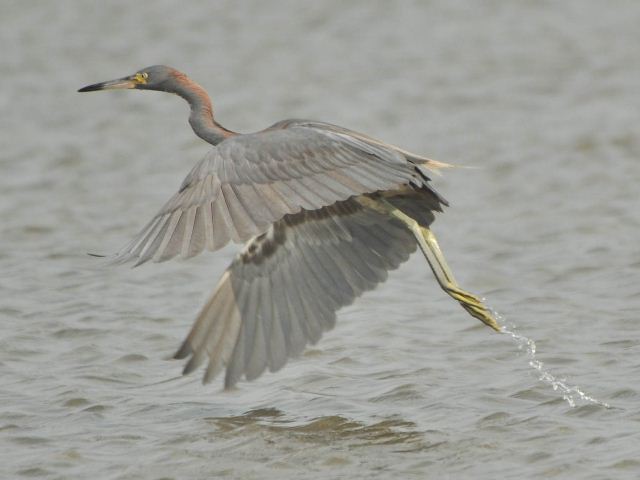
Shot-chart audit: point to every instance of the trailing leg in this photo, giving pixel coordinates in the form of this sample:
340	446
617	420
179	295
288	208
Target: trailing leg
432	252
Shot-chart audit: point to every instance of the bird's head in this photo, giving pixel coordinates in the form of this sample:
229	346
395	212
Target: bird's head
156	77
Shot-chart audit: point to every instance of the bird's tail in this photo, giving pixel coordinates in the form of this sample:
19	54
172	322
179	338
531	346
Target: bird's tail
435	165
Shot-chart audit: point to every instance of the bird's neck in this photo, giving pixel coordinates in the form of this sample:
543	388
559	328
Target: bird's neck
201	117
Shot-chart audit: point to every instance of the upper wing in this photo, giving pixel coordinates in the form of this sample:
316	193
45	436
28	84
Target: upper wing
283	290
250	181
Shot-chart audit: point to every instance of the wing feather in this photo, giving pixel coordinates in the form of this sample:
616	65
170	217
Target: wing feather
278	350
249	181
285	287
256	356
198	240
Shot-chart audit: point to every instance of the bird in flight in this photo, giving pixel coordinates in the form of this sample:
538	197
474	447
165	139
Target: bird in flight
324	214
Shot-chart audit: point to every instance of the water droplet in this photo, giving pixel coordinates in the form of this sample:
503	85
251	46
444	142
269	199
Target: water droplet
569	392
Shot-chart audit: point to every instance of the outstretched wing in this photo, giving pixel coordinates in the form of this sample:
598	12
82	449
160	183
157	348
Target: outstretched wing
250	181
283	290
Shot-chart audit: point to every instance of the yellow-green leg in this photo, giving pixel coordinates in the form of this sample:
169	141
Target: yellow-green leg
432	252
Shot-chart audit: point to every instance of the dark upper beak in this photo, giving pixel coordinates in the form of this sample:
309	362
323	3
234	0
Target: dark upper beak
121	83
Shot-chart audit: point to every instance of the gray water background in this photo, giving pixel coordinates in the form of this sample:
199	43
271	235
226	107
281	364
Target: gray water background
541	98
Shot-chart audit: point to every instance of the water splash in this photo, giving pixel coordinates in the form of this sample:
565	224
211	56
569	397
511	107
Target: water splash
570	393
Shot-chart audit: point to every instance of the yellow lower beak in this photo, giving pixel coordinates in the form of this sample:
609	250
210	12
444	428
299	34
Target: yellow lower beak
119	84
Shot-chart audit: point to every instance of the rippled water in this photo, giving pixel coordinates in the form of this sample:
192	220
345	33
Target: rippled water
541	98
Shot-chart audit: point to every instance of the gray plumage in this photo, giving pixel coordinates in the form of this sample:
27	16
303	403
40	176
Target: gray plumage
250	181
325	213
310	248
283	290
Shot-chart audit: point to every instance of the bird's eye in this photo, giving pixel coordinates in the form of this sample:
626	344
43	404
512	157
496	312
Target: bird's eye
141	77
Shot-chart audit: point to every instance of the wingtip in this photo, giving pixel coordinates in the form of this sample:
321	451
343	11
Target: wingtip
191	365
184	351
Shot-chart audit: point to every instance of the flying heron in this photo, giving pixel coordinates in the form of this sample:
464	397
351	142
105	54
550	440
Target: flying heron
324	213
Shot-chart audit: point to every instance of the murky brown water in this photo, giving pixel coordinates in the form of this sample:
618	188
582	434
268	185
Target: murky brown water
542	97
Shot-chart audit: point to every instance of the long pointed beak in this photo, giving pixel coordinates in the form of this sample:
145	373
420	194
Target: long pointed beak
121	83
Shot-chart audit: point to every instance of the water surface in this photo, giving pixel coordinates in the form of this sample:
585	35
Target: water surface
540	98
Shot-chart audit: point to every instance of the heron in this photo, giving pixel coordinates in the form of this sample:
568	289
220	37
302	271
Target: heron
324	214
